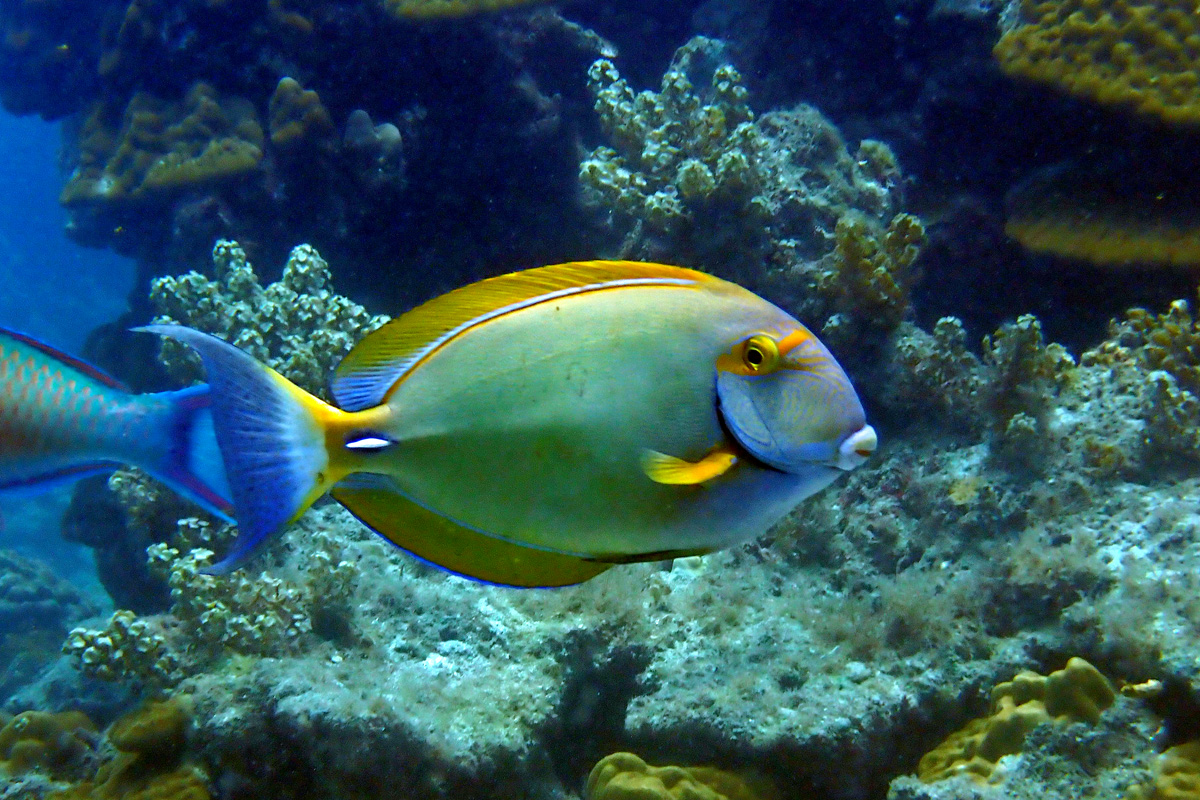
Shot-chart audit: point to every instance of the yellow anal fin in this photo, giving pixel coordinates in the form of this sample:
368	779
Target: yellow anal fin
460	550
662	468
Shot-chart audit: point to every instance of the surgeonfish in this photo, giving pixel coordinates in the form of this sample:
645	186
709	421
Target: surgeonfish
61	419
537	428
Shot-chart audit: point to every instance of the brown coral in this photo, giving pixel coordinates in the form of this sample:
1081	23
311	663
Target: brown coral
1139	55
157	147
297	116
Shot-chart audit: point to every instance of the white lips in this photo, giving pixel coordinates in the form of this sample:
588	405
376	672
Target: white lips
856	448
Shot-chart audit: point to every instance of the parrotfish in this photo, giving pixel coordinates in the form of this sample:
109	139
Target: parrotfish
537	428
61	419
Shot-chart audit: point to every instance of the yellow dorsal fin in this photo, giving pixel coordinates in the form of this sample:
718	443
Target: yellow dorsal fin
436	539
366	375
662	468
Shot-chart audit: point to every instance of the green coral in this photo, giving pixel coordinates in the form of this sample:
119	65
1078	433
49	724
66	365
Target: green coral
691	175
871	272
678	151
297	325
1025	376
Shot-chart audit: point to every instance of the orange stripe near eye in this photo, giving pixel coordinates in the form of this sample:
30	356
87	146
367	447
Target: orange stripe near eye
793	340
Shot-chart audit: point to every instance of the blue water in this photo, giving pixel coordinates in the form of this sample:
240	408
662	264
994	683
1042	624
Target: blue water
55	290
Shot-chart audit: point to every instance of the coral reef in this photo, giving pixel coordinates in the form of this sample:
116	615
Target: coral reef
60	745
141	756
693	176
1076	693
1176	774
1138	55
153	147
436	9
624	776
296	325
871	275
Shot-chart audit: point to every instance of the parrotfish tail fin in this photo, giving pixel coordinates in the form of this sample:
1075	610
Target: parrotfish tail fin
191	464
271	438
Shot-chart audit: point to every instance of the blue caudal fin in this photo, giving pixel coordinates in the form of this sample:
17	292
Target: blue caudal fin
191	464
272	446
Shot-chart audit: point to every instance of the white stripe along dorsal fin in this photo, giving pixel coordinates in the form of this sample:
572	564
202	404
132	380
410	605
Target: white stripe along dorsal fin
367	374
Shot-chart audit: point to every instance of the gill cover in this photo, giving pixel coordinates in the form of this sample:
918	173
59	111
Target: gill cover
787	401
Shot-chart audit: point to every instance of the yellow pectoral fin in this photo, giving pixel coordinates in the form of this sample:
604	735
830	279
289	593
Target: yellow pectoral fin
662	468
436	539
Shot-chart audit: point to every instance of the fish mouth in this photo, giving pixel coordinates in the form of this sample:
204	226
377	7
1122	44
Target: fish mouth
856	448
844	455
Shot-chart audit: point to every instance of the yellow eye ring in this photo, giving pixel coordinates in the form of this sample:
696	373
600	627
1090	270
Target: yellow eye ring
760	354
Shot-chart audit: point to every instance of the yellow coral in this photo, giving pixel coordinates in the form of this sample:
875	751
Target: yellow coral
1077	693
1105	215
624	776
1139	55
56	744
1176	776
297	115
150	740
157	147
434	9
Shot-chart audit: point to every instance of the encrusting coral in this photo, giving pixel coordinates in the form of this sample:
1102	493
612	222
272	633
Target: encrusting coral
154	147
624	776
1142	55
1176	775
59	745
298	120
1076	693
297	325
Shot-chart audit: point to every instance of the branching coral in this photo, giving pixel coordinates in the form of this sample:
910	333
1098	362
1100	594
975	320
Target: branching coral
1140	55
154	147
936	374
128	648
872	272
248	614
297	325
1025	375
1076	693
684	155
692	175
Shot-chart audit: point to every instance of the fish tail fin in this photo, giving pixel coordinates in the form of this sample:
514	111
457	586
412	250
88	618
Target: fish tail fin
272	438
190	463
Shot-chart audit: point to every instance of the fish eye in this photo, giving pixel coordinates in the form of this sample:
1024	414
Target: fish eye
760	354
